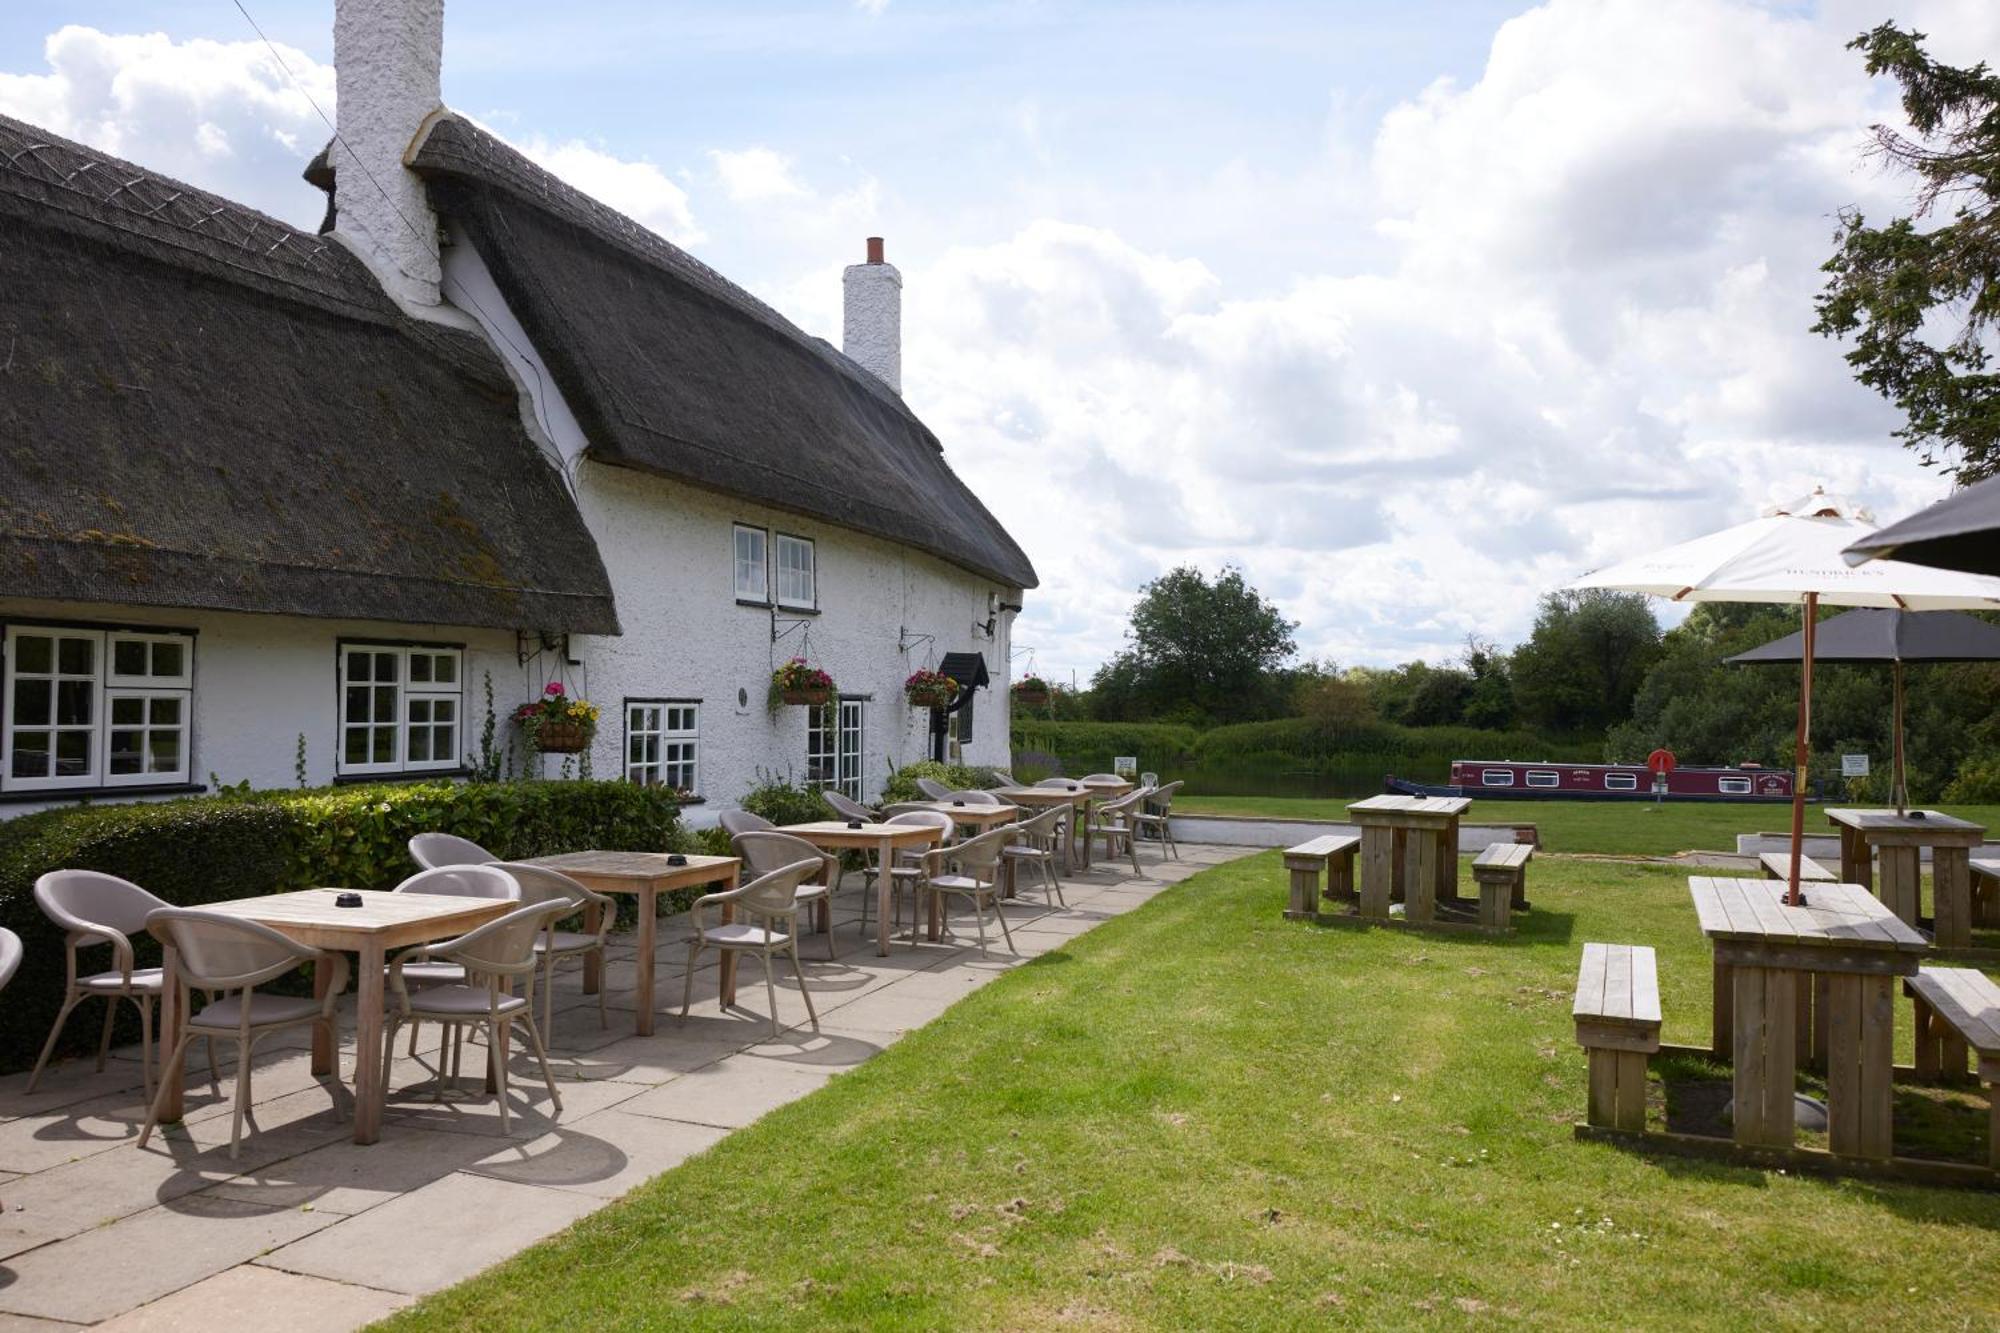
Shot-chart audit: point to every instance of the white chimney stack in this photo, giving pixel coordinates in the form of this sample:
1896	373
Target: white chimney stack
873	332
388	57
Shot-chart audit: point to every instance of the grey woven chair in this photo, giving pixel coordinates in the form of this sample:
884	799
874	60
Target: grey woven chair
1115	824
766	850
493	955
230	958
539	884
743	821
974	796
1155	816
933	790
906	870
432	851
972	870
452	881
1062	784
10	956
771	904
1036	845
848	808
94	908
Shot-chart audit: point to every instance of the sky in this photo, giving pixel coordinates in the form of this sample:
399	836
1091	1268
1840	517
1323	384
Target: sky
1412	311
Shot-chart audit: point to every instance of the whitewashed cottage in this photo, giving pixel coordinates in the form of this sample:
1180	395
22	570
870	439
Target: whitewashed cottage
278	505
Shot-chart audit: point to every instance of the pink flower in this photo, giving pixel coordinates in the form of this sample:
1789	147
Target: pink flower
553	687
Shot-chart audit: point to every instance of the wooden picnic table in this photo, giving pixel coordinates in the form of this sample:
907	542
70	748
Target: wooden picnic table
384	922
646	875
1075	795
1900	840
1409	851
1820	976
884	840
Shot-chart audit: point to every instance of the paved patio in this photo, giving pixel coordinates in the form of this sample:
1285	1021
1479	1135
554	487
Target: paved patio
306	1231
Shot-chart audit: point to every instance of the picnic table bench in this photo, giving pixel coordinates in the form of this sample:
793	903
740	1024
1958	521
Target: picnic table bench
1985	893
1617	1015
1501	872
1778	865
1332	853
1958	1012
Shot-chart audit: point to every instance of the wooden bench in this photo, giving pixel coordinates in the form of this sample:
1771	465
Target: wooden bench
1502	873
1617	1013
1985	893
1958	1013
1333	853
1778	865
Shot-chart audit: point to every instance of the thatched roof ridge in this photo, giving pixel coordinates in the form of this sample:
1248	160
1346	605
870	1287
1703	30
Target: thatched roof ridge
672	369
201	407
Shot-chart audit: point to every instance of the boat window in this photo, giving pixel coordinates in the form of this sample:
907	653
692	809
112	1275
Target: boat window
1497	777
1541	777
1733	786
1621	781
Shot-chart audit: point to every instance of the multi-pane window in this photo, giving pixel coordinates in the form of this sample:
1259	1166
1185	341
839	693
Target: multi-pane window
752	578
833	747
399	708
662	741
91	708
795	573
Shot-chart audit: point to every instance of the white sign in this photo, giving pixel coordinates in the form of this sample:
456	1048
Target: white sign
1125	765
1854	765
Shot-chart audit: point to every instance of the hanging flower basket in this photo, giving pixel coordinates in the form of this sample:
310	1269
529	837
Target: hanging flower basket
930	689
1031	692
556	723
800	684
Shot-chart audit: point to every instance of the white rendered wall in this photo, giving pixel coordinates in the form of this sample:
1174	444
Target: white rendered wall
260	681
388	57
669	549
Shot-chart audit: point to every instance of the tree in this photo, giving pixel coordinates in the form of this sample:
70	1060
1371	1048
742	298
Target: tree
1921	301
1199	648
1584	659
1490	703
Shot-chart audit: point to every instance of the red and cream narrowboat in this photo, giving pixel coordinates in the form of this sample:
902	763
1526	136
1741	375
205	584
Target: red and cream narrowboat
1510	780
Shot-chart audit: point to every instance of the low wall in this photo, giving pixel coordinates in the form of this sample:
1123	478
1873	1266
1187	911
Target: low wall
1825	847
1241	831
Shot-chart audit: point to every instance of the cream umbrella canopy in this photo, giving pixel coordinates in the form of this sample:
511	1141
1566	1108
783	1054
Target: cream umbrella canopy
1792	553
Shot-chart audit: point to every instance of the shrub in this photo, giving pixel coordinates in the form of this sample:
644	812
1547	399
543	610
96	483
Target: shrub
1977	783
1089	747
902	784
214	848
783	801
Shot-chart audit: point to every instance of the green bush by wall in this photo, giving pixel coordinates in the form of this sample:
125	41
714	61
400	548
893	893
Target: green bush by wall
1293	744
213	848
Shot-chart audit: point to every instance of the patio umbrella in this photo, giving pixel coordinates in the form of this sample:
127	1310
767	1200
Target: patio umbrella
1961	532
1792	553
1870	635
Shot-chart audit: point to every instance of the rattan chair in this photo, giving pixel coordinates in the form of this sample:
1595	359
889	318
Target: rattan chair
743	821
769	902
431	851
906	870
230	957
1115	824
974	796
94	908
766	850
1063	784
493	955
848	808
10	956
1155	816
933	790
1036	845
971	869
539	884
452	881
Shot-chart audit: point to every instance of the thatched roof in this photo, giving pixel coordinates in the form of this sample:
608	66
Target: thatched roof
202	407
674	370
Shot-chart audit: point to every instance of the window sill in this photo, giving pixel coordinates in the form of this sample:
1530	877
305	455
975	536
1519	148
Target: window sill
753	604
101	793
798	610
425	775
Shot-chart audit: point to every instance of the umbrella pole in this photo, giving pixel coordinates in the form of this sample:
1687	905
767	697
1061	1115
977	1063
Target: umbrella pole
1901	791
1792	896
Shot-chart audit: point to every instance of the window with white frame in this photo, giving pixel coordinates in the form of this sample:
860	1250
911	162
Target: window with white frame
833	747
752	565
400	706
663	743
797	588
95	708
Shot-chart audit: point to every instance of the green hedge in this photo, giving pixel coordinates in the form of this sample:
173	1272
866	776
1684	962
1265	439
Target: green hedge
213	848
1089	747
1292	745
902	784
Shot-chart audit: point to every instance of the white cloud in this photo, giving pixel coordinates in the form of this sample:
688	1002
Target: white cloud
871	7
640	190
755	175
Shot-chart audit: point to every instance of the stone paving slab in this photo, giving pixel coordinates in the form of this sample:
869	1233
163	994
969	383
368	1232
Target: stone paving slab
306	1230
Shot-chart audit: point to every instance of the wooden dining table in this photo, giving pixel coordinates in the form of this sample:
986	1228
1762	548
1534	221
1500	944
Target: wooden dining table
1077	796
885	840
1900	840
645	876
1409	845
384	922
975	818
1814	976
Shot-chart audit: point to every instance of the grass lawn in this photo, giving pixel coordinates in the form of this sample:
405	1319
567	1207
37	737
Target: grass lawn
1201	1115
1612	827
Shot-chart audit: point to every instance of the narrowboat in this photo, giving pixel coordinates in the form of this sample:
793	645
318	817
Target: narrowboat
1506	779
